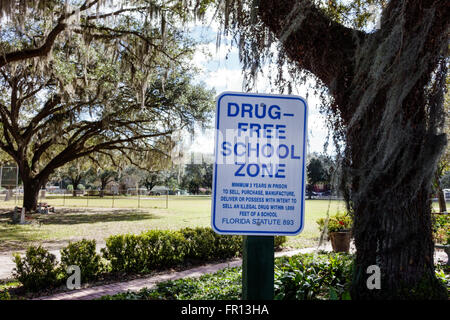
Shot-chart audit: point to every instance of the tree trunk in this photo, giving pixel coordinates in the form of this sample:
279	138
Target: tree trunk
31	185
31	189
441	199
387	92
75	183
399	242
390	187
102	189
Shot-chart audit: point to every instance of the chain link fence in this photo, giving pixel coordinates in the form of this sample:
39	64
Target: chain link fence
130	198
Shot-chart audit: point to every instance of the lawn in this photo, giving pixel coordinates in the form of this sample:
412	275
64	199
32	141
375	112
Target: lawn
77	222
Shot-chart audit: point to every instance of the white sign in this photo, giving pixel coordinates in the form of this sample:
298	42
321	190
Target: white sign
259	169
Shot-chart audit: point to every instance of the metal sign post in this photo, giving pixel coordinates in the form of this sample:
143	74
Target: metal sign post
259	178
258	268
167	199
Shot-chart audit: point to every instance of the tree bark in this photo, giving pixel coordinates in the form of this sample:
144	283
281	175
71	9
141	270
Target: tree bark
75	182
439	191
399	241
377	83
441	199
32	183
31	189
103	184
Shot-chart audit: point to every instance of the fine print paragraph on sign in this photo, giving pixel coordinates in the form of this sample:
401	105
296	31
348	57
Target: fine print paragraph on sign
259	169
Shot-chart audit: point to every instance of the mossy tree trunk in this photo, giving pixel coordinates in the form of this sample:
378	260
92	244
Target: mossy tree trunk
387	91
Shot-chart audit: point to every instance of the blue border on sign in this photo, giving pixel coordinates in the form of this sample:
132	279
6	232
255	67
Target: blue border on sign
213	207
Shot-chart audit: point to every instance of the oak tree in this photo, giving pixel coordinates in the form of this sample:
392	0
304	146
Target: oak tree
382	91
79	78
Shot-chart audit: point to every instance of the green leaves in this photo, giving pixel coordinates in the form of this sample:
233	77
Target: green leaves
37	270
158	249
115	84
222	285
83	255
336	223
301	277
313	276
441	228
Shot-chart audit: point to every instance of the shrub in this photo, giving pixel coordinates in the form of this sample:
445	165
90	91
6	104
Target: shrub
441	228
156	249
199	243
37	270
162	249
4	295
204	244
279	241
123	253
145	252
226	246
310	276
83	255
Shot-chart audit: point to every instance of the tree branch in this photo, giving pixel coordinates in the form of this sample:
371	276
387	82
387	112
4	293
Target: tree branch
48	109
311	39
49	41
35	52
114	13
75	150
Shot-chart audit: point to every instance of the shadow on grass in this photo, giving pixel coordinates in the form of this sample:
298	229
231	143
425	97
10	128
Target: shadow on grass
14	236
23	240
74	216
10	236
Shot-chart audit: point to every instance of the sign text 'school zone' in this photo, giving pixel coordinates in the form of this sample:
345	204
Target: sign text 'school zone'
259	169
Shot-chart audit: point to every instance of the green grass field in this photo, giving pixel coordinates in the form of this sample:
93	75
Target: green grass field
94	222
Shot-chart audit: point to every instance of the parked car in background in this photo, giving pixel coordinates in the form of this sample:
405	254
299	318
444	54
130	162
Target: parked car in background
311	194
446	194
325	193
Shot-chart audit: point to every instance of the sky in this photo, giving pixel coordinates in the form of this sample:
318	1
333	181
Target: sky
221	70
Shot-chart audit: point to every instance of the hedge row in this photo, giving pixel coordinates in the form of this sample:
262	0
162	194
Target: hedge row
127	253
157	249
